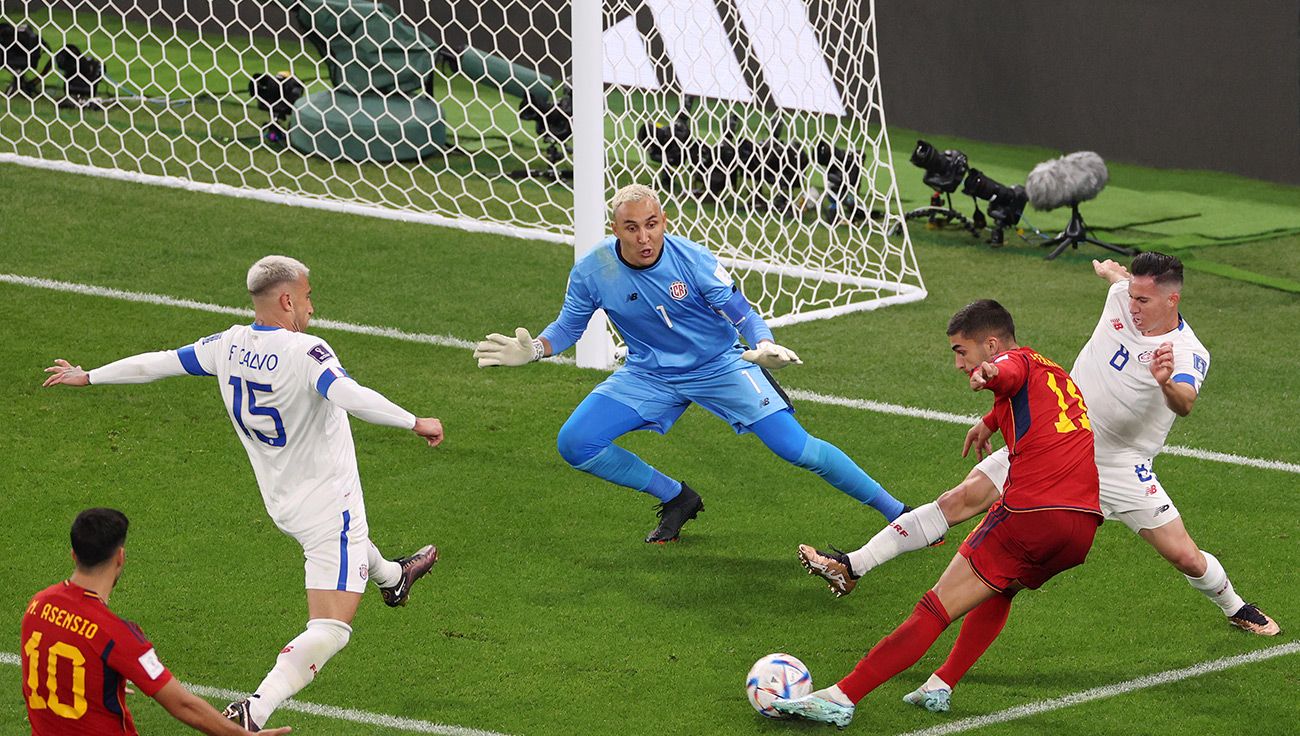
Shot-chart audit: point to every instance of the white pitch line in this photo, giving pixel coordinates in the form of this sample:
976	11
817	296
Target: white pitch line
282	196
455	342
1107	691
326	711
942	416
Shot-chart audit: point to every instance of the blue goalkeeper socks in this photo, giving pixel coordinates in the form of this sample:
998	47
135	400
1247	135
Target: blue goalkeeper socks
617	465
585	443
782	433
839	470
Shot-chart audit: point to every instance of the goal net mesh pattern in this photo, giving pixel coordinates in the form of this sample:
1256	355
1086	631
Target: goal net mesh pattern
760	122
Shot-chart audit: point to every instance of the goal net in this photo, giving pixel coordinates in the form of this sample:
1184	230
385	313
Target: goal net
759	121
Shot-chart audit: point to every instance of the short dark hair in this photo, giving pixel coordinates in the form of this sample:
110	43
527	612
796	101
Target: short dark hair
1164	270
979	319
97	534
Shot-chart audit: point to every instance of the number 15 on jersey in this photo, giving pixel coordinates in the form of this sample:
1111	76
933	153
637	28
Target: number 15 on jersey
237	409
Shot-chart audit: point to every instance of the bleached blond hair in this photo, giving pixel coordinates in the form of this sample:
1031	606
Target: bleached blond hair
272	271
632	193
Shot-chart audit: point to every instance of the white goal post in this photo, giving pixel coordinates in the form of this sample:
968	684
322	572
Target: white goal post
760	122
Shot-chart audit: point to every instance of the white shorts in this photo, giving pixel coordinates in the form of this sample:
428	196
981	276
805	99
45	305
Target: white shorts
337	554
1130	493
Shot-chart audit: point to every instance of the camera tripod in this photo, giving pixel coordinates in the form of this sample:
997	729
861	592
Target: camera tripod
937	211
1076	232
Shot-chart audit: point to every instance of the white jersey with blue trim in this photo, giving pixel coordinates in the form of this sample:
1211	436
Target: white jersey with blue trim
273	382
1130	419
668	313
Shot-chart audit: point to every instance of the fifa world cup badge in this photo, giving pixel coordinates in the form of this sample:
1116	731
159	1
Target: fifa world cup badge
677	290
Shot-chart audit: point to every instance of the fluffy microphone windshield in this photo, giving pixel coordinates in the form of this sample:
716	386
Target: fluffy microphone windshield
1067	180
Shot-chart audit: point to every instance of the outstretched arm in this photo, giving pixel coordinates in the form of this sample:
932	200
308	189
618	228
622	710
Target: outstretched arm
198	714
371	406
1110	270
501	350
141	368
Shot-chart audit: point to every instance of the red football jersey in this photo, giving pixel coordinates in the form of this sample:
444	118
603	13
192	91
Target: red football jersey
77	656
1045	424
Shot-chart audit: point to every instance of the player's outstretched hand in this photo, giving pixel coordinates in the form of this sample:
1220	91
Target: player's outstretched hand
980	377
1110	270
1162	363
498	349
63	372
978	437
430	429
771	356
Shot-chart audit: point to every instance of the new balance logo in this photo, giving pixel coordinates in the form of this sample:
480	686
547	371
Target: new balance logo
704	62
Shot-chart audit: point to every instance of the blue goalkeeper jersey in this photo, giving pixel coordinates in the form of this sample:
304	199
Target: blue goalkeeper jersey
669	313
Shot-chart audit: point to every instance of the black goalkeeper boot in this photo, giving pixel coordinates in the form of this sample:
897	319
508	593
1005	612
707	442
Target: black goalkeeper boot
674	514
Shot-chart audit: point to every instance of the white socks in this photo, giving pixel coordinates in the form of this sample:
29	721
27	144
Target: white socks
383	573
917	529
1216	586
297	665
835	695
934	683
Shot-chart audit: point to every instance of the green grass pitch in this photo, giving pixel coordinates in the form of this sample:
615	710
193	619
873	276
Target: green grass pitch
547	614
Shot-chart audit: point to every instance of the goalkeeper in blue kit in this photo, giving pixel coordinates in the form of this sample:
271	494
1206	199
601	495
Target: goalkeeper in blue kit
680	314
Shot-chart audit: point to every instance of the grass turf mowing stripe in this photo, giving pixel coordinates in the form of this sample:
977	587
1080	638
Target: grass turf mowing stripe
455	342
325	711
1107	691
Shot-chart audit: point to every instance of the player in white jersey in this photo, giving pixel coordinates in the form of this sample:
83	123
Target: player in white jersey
288	398
1141	368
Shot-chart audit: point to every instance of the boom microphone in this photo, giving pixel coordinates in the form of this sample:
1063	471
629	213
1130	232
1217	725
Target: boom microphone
1068	180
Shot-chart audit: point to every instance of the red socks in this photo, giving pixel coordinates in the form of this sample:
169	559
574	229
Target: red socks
980	627
900	650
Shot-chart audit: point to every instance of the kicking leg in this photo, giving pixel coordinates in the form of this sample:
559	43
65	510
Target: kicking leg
783	435
958	591
329	626
978	631
335	557
1204	572
914	530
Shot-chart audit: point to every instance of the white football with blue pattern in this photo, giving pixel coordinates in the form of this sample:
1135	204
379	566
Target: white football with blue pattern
776	676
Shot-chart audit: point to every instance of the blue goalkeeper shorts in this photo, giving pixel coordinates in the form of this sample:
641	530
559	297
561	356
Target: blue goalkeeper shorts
740	397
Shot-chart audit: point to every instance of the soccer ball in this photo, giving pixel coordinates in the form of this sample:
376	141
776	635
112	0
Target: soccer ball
776	676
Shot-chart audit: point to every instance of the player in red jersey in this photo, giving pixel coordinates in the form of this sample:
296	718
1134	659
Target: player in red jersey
78	655
1044	525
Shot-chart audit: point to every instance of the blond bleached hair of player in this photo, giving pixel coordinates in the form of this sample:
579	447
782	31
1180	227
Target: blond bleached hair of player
632	193
271	271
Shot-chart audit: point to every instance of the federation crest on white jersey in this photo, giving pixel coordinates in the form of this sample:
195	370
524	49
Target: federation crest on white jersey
776	676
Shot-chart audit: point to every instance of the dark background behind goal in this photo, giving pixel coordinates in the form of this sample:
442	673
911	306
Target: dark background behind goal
1161	82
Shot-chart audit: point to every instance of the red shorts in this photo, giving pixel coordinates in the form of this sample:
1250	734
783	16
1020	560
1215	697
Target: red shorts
1028	547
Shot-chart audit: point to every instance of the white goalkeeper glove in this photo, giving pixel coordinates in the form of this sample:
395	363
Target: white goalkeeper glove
512	351
771	356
